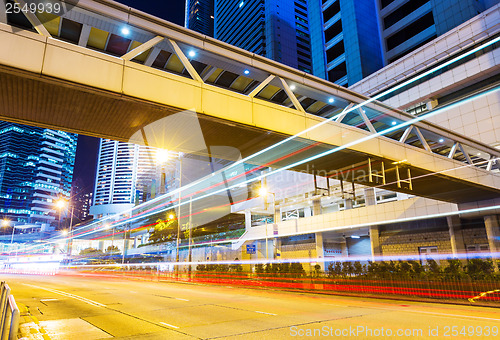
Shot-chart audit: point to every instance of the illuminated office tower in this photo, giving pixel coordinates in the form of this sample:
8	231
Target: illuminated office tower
200	16
36	169
287	31
127	174
362	36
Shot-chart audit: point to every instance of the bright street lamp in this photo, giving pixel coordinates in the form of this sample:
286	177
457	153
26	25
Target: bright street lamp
63	204
162	156
5	223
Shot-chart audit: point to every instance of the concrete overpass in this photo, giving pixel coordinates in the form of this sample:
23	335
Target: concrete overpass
79	72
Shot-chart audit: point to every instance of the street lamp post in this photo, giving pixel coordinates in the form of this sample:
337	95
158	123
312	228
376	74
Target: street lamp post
263	192
61	204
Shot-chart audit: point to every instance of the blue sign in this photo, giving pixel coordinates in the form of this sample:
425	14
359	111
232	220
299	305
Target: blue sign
251	249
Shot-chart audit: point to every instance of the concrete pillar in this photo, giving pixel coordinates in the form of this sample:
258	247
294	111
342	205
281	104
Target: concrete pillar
431	103
3	14
277	214
348	203
101	246
248	219
375	242
456	237
316	206
370	198
277	249
493	232
343	248
320	250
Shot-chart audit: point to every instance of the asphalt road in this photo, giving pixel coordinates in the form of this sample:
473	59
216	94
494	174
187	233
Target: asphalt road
73	307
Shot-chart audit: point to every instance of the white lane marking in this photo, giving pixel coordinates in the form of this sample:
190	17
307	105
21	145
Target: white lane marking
436	313
181	299
76	297
456	315
332	304
48	300
166	324
265	313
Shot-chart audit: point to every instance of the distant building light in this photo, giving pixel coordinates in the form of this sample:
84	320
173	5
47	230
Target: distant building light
394	123
191	54
241	4
331	100
441	140
125	31
246	72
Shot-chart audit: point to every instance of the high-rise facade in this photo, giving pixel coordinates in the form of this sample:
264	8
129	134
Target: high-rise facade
278	29
200	16
339	40
36	169
127	174
362	36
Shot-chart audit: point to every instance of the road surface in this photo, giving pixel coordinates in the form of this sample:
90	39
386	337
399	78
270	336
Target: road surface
76	307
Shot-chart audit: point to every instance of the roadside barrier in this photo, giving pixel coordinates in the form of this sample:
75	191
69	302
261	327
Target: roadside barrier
9	314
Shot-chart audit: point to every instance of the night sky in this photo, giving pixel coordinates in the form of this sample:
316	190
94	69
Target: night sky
88	147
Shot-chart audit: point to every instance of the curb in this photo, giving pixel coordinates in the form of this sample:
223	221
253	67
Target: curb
29	326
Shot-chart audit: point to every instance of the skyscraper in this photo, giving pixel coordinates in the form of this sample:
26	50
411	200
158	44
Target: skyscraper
362	36
200	16
339	40
36	169
127	174
279	30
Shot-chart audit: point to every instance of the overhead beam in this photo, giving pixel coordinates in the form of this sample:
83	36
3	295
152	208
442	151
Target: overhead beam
3	12
33	19
84	35
142	48
261	86
185	61
291	95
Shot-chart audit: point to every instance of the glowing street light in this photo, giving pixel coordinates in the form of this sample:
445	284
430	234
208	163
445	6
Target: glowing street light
171	217
162	156
5	223
263	192
61	204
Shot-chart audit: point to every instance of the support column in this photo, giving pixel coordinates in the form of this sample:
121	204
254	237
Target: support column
316	206
248	219
375	242
348	203
456	236
343	247
277	248
3	14
320	250
370	198
277	214
493	232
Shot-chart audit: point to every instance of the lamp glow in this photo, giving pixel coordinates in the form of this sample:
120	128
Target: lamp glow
263	192
191	54
125	31
162	156
60	204
331	100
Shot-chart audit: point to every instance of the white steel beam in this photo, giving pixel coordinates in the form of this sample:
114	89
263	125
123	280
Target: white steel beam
142	48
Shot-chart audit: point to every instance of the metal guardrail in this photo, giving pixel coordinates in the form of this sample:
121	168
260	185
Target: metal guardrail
9	314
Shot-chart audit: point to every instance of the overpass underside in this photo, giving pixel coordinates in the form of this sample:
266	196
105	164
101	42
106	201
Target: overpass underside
30	99
55	84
